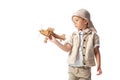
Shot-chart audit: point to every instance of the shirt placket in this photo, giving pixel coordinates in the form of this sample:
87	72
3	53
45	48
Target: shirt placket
80	49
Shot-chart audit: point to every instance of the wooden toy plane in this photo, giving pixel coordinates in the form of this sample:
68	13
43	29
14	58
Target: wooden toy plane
50	32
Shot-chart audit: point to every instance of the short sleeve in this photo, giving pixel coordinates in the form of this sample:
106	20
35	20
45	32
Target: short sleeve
69	40
96	40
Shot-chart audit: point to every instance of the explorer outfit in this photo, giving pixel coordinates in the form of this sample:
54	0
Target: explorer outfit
81	57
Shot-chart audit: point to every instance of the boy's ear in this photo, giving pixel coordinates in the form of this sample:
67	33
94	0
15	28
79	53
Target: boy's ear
85	21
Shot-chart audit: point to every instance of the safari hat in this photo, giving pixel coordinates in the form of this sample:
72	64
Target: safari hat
83	13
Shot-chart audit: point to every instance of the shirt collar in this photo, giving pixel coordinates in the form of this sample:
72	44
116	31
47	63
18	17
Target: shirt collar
84	31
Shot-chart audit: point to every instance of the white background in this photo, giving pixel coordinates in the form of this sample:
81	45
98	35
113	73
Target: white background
24	55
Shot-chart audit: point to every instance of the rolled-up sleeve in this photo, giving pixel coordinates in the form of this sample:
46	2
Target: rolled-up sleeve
96	41
69	41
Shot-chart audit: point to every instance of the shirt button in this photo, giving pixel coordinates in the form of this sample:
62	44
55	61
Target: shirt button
84	47
84	63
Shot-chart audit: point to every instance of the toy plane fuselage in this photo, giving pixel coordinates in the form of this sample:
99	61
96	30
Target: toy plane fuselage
49	32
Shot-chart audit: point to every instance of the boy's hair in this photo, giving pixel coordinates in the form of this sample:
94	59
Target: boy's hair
83	13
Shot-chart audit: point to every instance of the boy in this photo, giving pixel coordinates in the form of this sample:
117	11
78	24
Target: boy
82	46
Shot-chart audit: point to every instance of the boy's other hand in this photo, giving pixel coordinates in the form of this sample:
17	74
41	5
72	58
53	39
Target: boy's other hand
99	70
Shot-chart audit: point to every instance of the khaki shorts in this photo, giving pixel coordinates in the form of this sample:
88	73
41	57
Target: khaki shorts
79	73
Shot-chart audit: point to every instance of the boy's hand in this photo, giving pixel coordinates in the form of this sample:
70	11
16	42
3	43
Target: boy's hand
99	70
52	39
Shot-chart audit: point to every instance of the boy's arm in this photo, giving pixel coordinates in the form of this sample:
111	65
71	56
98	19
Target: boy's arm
66	47
98	60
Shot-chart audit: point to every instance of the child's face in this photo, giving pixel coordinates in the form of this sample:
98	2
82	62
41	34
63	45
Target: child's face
79	23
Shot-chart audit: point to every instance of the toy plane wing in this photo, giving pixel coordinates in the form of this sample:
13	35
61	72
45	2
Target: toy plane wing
49	32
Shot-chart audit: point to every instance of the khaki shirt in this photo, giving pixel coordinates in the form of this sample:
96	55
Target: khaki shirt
90	39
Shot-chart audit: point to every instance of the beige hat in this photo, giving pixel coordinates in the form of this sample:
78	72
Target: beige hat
83	13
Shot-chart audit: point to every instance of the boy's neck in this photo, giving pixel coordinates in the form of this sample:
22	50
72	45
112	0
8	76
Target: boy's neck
82	29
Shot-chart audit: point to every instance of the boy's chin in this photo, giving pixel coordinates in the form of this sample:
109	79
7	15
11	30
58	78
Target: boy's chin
79	29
